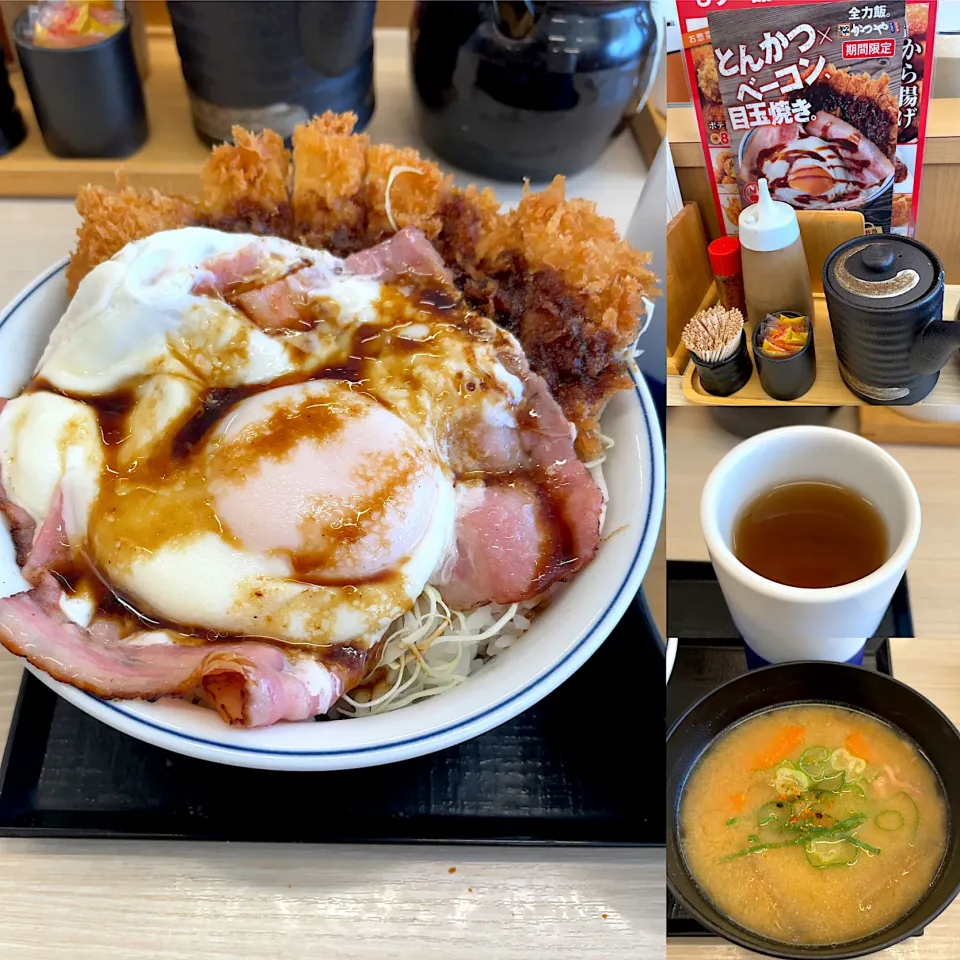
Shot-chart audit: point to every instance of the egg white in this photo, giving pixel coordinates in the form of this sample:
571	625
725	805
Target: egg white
137	325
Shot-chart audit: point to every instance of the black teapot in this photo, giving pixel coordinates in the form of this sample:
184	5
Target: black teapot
884	294
529	89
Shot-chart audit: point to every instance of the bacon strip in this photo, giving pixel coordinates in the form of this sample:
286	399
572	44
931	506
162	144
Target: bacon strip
502	533
406	253
51	545
515	538
546	437
287	304
251	684
217	276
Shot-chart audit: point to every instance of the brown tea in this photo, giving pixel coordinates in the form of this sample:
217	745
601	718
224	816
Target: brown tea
811	534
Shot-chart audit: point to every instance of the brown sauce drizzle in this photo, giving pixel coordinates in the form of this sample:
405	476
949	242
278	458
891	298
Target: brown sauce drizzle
853	165
216	402
367	345
437	300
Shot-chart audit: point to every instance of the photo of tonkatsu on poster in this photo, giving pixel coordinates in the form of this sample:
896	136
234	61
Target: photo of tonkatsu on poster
827	101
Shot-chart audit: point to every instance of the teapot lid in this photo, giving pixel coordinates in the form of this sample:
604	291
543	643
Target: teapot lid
882	271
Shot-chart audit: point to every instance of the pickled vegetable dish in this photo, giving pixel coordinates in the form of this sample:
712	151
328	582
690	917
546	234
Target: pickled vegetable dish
813	824
784	335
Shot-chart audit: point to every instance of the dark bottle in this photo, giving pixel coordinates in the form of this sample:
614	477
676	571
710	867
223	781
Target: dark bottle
512	90
259	64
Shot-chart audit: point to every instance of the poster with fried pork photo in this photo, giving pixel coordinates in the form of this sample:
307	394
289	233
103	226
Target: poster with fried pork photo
825	100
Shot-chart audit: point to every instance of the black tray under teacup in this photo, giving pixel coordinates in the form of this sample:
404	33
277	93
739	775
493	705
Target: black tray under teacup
696	608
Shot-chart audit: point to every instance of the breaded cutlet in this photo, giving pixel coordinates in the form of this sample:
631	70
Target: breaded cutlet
553	272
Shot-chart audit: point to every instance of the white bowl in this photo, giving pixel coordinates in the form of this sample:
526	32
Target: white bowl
557	643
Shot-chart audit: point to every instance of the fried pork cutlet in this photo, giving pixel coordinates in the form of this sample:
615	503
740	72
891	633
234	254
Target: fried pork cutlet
864	102
713	116
112	218
708	79
245	187
917	19
902	209
553	271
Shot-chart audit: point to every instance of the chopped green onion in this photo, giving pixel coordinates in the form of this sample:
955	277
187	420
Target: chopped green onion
789	781
732	821
854	787
832	781
912	804
865	847
841	852
813	762
774	812
889	820
844	760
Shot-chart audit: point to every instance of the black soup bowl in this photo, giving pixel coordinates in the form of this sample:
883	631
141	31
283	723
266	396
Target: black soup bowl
814	683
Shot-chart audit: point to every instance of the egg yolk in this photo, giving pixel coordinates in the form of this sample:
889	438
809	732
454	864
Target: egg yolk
327	477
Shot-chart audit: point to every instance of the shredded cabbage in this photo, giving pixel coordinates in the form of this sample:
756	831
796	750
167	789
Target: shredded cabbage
431	649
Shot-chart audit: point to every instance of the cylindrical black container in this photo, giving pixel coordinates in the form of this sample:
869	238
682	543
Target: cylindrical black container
512	90
12	128
786	378
271	65
728	376
885	298
88	100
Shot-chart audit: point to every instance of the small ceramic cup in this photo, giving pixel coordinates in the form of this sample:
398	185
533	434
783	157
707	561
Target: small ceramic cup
778	622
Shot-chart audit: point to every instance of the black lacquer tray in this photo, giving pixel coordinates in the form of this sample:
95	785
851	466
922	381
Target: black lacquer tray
696	608
553	775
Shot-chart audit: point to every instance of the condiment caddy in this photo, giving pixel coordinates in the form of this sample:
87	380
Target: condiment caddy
822	233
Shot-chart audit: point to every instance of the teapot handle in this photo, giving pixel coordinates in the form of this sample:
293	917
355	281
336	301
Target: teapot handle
937	342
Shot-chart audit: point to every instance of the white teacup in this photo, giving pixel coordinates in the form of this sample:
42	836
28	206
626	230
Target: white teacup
779	622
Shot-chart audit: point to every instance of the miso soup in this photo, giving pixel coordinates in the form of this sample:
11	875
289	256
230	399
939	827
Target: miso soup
813	824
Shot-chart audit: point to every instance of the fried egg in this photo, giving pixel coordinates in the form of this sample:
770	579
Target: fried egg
225	479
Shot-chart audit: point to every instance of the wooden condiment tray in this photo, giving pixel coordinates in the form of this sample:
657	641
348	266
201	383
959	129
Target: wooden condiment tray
828	389
822	232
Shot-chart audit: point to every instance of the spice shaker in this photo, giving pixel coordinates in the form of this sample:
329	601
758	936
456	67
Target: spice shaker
727	269
775	273
884	295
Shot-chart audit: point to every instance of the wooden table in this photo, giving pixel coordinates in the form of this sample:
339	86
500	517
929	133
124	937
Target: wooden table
86	900
933	668
695	444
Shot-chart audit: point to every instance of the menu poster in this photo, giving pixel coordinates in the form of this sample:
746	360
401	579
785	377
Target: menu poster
826	100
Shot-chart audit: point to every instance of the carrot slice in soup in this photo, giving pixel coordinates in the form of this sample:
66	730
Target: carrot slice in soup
858	746
738	801
786	741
